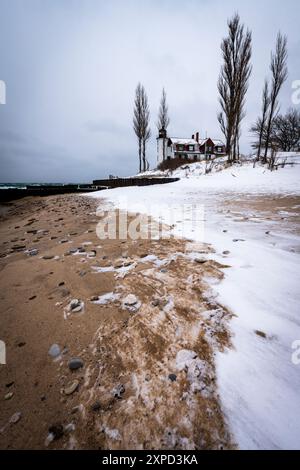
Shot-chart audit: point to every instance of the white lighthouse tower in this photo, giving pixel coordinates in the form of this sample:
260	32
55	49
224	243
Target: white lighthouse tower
162	143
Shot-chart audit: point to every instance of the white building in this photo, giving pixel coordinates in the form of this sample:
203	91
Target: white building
187	149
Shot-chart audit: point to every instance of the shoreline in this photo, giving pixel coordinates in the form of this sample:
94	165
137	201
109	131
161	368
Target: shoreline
148	376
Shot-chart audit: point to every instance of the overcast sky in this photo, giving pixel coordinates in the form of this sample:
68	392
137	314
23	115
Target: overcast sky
71	68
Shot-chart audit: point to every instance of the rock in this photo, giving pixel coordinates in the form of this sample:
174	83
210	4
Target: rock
94	298
224	231
21	344
71	387
9	384
8	396
172	377
56	430
69	428
75	363
130	300
226	252
96	406
118	391
33	252
119	263
91	254
76	305
48	256
15	417
267	233
54	350
238	240
32	297
64	240
61	284
163	270
200	260
155	302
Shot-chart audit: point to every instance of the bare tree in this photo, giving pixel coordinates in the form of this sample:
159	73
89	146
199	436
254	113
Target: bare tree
141	119
146	132
163	117
138	121
233	83
279	75
259	127
286	130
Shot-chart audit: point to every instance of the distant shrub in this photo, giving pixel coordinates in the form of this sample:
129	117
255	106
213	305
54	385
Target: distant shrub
172	164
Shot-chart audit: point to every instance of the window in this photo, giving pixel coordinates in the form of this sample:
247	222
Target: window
191	148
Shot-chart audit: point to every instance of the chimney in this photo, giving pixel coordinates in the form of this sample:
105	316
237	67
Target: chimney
197	136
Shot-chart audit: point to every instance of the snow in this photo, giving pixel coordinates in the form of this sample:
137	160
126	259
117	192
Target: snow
258	383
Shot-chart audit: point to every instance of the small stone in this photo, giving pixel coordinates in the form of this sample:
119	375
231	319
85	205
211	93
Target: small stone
96	406
94	298
163	270
15	417
32	297
8	396
69	428
118	391
71	387
75	363
268	232
119	264
200	260
130	300
48	256
54	350
172	377
226	252
57	430
33	252
64	240
91	254
224	231
61	284
76	305
238	240
155	302
21	344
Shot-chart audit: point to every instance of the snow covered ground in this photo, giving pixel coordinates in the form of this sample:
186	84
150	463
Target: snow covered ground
258	382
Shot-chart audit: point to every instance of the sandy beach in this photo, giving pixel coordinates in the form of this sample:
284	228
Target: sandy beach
97	355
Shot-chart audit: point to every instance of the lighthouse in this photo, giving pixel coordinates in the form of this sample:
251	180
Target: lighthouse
162	142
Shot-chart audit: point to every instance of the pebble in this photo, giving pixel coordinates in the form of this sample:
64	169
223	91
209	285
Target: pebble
54	350
15	417
172	377
91	254
8	396
226	252
56	430
130	300
76	305
200	260
48	256
96	406
71	387
33	252
75	363
118	263
118	391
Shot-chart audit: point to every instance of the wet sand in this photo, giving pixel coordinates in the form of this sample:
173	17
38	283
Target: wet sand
130	392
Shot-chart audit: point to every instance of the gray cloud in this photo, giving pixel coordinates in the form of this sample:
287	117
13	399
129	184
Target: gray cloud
71	68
